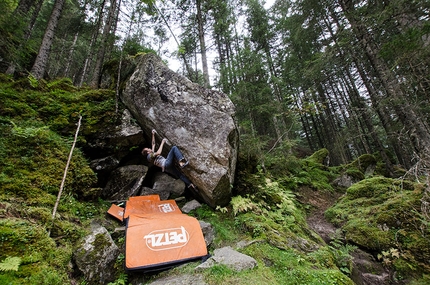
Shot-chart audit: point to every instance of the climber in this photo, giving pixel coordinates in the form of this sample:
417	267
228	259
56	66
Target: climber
168	164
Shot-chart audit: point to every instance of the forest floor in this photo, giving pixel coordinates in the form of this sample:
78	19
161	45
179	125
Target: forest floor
319	201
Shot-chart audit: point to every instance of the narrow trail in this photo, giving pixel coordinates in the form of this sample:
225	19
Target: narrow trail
320	201
366	269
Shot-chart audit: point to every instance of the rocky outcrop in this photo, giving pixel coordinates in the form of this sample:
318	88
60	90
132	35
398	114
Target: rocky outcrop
115	138
112	145
198	120
208	232
190	206
367	271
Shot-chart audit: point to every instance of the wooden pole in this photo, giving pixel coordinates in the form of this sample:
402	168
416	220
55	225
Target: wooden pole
64	176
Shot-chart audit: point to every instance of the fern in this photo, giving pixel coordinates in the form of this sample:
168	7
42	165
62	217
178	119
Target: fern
241	205
33	81
26	132
10	264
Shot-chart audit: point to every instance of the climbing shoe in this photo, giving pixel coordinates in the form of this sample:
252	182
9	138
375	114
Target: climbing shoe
183	163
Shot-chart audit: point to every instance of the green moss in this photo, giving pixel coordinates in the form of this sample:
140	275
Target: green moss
368	236
355	173
42	260
33	168
371	187
364	161
63	84
319	156
37	125
101	242
380	214
5	78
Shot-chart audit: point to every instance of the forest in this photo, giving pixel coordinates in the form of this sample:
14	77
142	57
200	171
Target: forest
344	83
350	76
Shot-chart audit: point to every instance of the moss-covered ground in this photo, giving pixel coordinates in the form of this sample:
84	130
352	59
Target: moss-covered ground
38	121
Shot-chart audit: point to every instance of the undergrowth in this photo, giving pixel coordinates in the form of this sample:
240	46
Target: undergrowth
37	122
384	215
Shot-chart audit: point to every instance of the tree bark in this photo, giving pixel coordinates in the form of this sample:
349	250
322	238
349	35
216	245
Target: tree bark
102	50
39	66
24	10
418	130
202	43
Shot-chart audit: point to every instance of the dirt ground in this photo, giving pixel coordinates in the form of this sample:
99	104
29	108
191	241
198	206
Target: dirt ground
319	201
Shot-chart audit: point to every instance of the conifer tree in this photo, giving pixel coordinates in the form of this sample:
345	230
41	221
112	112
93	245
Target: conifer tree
39	66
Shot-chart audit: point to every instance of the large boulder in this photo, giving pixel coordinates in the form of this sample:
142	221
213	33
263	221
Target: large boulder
198	120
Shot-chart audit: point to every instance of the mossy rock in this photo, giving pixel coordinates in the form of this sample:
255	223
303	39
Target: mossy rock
415	243
368	236
377	186
319	156
4	78
355	173
370	187
97	95
42	261
382	214
364	161
284	234
30	83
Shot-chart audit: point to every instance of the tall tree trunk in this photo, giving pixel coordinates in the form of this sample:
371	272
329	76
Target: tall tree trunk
187	65
200	22
37	7
105	38
90	49
39	66
71	52
24	11
418	130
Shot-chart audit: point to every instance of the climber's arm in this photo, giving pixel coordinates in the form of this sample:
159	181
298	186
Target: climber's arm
153	139
160	149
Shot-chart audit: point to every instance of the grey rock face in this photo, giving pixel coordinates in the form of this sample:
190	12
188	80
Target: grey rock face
112	144
208	232
229	257
96	256
363	264
125	182
191	205
163	183
117	139
198	120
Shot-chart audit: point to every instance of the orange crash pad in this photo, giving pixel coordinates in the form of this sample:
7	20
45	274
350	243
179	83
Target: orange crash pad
159	241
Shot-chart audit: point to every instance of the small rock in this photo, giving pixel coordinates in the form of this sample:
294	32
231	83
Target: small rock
167	185
191	205
229	257
208	232
96	256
